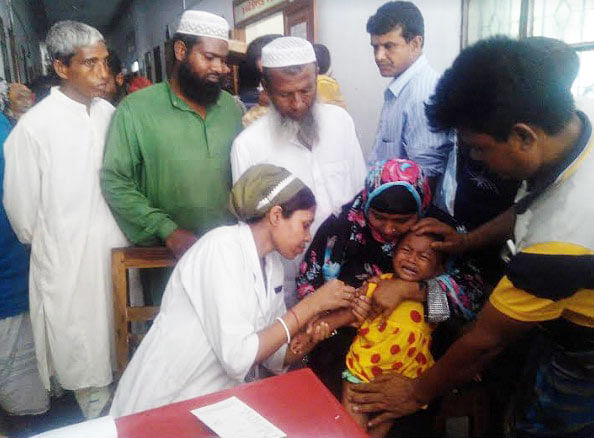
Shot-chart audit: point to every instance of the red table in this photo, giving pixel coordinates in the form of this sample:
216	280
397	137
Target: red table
296	402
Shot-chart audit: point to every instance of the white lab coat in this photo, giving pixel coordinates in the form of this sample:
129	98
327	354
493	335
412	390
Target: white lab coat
205	336
53	200
334	169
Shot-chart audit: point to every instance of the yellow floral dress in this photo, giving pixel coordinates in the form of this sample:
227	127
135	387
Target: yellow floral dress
399	344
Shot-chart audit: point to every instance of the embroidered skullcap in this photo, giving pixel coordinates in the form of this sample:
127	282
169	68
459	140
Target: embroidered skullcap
286	51
260	188
200	23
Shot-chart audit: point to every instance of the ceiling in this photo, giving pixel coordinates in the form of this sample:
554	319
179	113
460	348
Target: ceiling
101	14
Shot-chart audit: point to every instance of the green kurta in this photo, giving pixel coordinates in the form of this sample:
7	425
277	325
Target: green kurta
166	167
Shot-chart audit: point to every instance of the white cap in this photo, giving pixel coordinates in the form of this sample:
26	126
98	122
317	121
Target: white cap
200	23
286	51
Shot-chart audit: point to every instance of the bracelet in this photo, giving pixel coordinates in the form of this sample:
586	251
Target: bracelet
296	319
284	324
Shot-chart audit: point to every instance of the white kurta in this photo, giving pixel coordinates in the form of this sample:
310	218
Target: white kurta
334	169
54	203
205	336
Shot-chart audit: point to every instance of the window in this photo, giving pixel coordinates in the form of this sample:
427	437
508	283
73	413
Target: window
571	21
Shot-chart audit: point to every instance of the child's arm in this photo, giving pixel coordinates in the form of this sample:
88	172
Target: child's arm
304	341
393	291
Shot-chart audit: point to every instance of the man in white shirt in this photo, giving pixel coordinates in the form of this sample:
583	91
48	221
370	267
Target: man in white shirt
54	203
316	142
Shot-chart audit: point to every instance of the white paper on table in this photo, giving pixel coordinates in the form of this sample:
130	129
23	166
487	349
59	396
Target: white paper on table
102	427
232	418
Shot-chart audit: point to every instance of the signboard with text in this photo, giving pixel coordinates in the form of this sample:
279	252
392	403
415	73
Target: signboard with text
249	8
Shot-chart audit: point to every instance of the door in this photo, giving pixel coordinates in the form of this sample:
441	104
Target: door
148	65
169	58
158	65
300	19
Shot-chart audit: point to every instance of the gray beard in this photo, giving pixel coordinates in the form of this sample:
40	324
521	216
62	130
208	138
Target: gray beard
305	131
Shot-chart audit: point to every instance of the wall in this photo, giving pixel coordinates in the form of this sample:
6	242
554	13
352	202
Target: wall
25	36
341	27
148	20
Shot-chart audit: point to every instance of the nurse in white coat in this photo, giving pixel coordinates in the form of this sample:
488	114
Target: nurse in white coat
223	316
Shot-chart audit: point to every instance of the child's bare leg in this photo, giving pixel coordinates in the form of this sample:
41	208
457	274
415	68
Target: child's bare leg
381	430
359	417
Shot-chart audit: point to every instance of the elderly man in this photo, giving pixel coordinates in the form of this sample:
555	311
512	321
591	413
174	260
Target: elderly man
166	173
315	141
518	117
397	34
53	201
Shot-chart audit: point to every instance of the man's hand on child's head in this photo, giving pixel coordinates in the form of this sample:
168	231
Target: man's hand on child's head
453	241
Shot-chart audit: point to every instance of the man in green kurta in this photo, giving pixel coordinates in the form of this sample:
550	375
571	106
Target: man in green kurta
166	173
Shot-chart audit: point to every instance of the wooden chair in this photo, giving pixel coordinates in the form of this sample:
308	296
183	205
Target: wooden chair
121	260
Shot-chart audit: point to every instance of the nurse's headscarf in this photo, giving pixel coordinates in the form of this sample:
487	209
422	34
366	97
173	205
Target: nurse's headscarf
260	188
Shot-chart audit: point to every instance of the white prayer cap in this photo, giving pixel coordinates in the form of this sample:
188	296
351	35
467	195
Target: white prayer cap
200	23
286	51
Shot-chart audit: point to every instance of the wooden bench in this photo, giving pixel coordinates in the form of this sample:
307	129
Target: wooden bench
121	260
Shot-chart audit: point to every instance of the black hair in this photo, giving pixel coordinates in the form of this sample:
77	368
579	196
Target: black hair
392	15
304	199
188	40
249	75
563	58
322	57
395	200
113	63
497	83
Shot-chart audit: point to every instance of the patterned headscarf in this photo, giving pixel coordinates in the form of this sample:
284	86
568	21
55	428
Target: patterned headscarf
351	228
383	175
393	173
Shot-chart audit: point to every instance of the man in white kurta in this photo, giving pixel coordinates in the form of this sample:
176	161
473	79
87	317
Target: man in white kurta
205	338
332	165
54	203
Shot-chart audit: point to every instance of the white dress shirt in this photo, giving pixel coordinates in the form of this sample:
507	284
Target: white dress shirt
54	203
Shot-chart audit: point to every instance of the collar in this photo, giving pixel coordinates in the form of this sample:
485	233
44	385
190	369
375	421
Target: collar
178	103
252	259
561	170
400	81
58	94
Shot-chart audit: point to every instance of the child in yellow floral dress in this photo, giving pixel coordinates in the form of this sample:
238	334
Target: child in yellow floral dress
400	343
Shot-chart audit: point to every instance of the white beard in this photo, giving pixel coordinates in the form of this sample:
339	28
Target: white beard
304	131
